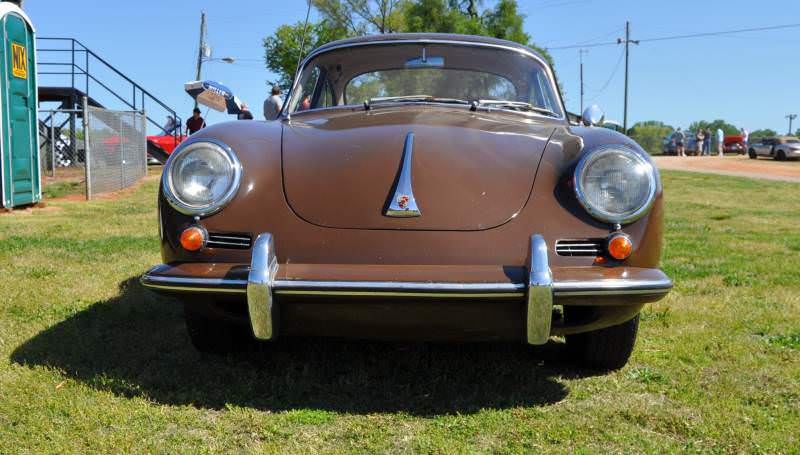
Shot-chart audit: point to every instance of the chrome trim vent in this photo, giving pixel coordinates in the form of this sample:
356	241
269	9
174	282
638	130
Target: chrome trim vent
229	241
580	247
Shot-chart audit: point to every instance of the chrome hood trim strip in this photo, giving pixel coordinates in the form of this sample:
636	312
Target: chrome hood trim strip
403	204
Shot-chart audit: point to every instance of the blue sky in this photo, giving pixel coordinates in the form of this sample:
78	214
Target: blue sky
750	79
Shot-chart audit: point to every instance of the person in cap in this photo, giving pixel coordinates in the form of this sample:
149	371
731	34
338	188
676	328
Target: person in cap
195	122
273	104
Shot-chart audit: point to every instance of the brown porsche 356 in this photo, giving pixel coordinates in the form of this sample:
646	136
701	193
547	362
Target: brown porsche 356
415	186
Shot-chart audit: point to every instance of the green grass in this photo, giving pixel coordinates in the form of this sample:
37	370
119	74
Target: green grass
59	189
91	362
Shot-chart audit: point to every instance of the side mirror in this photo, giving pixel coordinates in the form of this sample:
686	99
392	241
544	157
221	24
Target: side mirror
593	116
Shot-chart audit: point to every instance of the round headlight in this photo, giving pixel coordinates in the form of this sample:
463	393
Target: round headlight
201	177
616	184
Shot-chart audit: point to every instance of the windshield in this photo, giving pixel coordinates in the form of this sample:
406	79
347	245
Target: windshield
425	73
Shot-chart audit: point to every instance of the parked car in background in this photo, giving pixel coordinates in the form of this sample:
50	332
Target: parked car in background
415	187
613	125
670	147
160	147
779	148
734	144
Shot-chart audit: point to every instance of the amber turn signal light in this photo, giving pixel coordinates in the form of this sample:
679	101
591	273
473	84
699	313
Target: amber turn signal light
193	238
619	246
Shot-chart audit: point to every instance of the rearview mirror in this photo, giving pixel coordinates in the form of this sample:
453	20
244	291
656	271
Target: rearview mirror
429	62
593	116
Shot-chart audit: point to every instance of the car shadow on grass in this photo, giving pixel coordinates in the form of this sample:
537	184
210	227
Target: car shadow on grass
135	345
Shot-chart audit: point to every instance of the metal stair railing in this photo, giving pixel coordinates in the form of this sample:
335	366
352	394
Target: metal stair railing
79	55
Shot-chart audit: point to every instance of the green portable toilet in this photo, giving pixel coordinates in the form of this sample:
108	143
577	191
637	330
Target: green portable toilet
19	138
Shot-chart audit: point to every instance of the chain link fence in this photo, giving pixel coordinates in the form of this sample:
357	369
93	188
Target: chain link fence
117	149
61	144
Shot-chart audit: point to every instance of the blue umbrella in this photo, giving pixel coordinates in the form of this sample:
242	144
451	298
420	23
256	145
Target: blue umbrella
214	95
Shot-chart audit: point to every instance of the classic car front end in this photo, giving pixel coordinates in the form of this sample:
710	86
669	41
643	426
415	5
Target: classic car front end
418	187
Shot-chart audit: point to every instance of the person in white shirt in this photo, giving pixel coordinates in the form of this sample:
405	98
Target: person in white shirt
273	104
720	141
746	139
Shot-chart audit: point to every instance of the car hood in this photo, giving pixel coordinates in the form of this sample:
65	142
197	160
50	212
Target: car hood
469	171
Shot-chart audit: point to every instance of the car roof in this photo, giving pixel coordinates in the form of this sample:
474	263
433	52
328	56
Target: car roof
426	37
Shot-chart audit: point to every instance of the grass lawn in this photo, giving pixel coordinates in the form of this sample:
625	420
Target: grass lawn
91	362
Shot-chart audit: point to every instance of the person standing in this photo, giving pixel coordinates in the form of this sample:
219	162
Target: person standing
273	104
700	137
707	143
195	122
746	139
720	142
245	114
680	138
170	126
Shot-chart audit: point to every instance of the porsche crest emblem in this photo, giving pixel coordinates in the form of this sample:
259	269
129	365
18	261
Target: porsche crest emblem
402	201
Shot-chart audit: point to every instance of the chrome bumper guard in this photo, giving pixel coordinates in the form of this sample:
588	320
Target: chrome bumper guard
260	303
540	291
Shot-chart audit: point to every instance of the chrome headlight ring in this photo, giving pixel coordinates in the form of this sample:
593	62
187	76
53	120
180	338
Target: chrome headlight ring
168	185
642	164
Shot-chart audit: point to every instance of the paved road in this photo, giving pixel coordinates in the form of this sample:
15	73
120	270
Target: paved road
739	165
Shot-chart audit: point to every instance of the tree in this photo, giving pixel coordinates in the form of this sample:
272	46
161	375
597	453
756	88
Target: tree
650	135
282	50
766	132
726	127
360	17
348	18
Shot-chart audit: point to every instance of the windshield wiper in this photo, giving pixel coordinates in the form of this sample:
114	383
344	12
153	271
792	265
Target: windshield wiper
413	99
517	106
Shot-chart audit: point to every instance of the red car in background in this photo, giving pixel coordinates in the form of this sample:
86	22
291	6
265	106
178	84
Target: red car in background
734	144
160	147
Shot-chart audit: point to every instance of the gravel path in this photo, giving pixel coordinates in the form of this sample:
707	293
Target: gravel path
739	165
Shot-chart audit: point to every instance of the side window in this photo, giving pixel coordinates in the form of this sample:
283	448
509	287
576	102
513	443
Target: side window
306	91
317	92
541	95
326	96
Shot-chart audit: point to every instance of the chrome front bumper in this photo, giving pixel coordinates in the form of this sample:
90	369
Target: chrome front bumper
261	282
539	291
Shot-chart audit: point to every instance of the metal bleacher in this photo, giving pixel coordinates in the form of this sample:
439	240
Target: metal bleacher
68	71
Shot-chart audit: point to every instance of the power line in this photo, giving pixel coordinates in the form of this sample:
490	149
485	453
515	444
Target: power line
678	37
593	38
727	32
610	78
576	46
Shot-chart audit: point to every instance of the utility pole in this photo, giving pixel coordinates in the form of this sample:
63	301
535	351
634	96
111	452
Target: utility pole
580	53
202	48
791	118
628	41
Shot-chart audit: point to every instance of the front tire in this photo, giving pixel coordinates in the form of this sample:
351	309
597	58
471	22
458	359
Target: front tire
781	155
605	349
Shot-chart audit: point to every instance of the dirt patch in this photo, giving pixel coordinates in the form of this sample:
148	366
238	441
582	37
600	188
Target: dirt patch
28	210
113	196
738	165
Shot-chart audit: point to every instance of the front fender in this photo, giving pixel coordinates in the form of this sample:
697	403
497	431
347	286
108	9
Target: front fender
258	147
